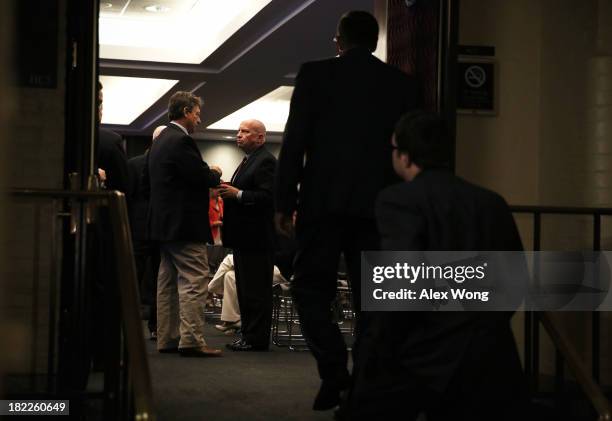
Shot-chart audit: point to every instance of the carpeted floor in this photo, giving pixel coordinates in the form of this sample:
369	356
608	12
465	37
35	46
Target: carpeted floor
274	385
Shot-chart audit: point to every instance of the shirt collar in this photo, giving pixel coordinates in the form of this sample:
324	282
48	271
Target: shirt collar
181	127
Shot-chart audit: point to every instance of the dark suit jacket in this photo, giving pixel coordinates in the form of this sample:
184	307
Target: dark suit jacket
111	158
342	115
138	202
440	211
249	224
177	180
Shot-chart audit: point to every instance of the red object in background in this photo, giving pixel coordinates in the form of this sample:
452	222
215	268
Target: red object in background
215	216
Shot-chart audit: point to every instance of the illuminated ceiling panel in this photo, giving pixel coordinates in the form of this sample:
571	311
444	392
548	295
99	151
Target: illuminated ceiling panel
126	98
180	31
272	109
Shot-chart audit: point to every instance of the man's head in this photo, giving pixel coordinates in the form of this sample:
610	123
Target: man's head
157	132
420	141
356	29
184	108
100	100
251	135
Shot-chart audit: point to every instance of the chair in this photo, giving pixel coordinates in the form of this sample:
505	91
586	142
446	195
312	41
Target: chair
286	329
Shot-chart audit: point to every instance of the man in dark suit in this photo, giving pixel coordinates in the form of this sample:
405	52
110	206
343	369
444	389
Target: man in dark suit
248	229
178	181
111	163
146	253
452	365
342	114
110	155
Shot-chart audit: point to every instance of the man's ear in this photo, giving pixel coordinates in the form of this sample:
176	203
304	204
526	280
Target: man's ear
405	159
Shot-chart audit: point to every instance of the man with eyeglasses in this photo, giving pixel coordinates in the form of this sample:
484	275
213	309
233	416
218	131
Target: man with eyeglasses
451	365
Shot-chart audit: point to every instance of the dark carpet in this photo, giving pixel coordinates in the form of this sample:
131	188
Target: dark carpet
274	385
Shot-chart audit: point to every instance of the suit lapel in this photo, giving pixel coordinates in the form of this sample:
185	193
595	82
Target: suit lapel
247	165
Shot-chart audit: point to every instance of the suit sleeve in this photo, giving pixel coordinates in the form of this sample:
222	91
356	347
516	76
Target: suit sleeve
192	168
145	182
511	239
262	195
133	178
298	130
113	161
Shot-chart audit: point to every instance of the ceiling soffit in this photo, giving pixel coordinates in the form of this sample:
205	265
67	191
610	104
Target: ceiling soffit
258	58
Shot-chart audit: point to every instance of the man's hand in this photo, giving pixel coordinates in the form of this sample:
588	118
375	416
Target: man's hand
228	191
283	224
102	174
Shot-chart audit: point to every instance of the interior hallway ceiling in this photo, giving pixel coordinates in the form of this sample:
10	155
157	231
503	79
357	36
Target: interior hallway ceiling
260	56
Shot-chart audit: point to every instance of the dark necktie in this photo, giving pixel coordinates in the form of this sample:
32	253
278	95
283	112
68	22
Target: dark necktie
238	170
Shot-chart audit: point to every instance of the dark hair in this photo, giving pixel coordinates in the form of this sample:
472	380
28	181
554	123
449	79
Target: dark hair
181	101
359	28
424	136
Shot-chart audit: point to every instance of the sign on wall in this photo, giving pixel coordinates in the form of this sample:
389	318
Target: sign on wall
36	46
476	86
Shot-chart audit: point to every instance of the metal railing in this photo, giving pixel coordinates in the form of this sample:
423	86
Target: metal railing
137	400
590	388
564	350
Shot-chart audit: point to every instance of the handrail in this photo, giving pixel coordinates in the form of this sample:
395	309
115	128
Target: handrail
561	210
126	274
591	389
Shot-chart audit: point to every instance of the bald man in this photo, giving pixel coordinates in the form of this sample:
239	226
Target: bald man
248	229
157	132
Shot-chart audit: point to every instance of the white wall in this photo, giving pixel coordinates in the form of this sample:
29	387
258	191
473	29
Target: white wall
501	152
227	155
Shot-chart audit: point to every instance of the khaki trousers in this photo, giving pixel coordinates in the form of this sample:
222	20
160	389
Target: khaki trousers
182	286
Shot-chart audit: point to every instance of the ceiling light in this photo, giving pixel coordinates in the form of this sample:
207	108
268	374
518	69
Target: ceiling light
160	37
126	98
228	137
271	109
107	5
157	8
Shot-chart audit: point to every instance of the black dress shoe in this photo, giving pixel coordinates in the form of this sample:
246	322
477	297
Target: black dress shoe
243	345
329	394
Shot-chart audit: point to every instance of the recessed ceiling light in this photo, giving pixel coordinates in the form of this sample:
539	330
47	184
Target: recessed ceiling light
157	8
272	109
137	36
126	98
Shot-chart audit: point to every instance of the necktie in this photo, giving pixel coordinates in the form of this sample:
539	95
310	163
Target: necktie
238	170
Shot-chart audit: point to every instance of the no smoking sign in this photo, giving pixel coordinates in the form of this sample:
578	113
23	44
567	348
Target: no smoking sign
475	86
